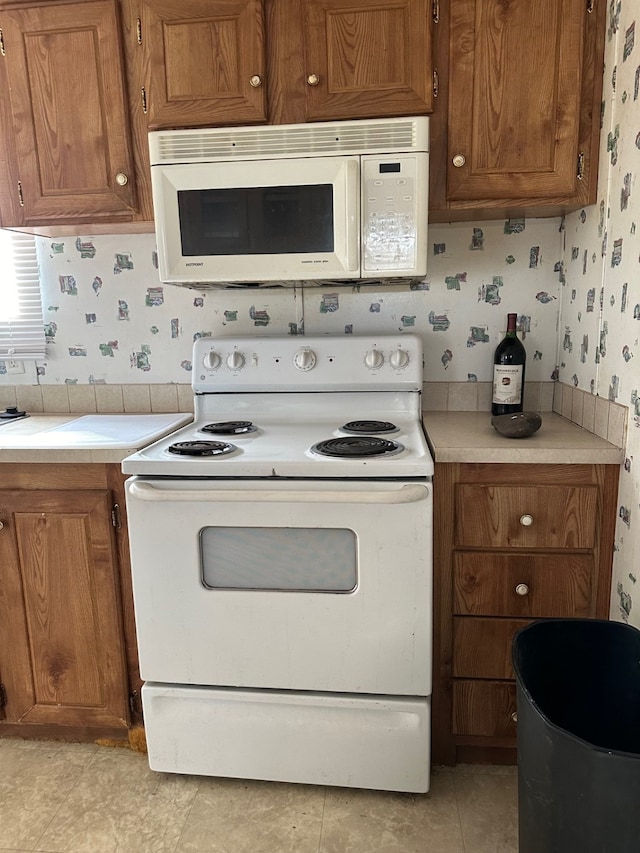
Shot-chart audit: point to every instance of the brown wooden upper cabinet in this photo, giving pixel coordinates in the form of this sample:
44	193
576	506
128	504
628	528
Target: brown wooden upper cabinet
517	120
206	62
65	114
216	62
367	59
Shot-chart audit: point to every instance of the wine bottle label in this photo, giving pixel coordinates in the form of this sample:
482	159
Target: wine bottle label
507	383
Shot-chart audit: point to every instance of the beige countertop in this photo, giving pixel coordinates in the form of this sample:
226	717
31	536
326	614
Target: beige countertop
469	437
105	438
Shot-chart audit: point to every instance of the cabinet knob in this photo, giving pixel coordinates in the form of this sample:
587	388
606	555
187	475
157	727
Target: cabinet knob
256	81
459	160
121	179
1	524
522	589
526	520
313	79
514	717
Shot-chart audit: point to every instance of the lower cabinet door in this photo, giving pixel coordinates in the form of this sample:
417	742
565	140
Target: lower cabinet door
482	647
484	708
61	640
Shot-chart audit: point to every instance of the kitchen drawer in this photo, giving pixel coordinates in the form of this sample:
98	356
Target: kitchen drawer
482	647
510	516
490	584
484	708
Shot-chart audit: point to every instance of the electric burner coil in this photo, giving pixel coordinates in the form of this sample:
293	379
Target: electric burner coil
356	447
201	448
229	428
369	427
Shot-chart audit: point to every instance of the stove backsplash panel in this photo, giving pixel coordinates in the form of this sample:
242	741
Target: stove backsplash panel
109	321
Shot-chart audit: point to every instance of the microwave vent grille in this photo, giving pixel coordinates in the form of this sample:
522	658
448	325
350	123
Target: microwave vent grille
378	136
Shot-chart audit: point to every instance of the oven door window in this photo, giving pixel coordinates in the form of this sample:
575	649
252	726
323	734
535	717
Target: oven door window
256	220
285	559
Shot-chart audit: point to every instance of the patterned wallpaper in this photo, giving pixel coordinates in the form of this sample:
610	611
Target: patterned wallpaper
109	320
600	294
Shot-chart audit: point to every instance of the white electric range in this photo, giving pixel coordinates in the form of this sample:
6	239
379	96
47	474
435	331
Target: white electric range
282	566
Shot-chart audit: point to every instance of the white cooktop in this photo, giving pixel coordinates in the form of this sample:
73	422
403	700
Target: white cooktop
287	428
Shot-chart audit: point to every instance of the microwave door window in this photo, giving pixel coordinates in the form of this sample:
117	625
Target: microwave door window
213	222
257	220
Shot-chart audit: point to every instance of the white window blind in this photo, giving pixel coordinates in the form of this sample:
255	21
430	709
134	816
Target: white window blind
21	323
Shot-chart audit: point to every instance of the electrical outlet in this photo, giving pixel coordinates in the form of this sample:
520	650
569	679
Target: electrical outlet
14	366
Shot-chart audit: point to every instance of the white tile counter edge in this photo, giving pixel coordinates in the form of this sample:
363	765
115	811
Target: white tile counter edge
469	437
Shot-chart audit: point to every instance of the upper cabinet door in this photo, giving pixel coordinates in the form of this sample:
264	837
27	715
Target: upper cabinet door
68	153
515	85
367	59
206	62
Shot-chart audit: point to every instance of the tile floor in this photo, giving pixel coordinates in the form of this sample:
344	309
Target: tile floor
82	798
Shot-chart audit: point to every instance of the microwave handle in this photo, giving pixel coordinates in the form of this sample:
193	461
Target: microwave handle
406	494
354	211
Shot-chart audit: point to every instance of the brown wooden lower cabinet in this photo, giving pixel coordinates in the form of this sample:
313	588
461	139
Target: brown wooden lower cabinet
512	543
68	661
484	708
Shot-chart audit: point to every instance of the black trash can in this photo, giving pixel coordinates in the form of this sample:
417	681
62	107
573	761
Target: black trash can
578	692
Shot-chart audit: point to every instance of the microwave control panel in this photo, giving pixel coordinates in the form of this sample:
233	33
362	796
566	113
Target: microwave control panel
394	215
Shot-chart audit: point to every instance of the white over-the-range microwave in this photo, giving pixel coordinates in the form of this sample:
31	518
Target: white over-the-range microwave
286	203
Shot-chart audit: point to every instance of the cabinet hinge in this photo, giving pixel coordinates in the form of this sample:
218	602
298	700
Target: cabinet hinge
2	51
134	702
3	696
143	94
580	166
116	518
139	31
436	83
435	11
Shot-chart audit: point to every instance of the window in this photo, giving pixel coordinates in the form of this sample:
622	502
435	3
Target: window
21	324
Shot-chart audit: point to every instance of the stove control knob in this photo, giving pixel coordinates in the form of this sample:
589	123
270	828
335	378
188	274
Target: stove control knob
305	359
399	358
211	360
374	359
235	361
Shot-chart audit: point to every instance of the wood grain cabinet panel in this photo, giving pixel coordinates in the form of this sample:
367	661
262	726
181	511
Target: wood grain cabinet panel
515	122
512	543
530	585
482	646
68	658
485	709
206	62
367	59
61	610
525	516
62	79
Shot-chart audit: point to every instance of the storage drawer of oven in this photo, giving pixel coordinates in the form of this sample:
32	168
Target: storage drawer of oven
525	516
484	708
507	584
482	647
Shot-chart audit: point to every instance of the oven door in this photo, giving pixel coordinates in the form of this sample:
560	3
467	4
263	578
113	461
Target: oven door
322	586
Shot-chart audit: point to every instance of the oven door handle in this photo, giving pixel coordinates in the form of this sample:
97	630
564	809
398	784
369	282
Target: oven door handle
410	493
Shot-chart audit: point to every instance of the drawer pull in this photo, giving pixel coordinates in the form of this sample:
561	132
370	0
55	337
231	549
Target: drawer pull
514	717
522	589
526	520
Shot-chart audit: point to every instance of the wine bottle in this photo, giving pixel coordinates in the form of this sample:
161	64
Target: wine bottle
508	372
